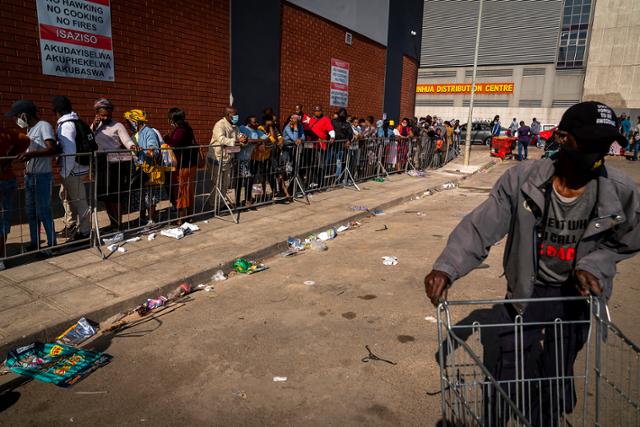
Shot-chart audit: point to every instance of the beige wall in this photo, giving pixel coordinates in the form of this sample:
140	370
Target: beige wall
613	63
540	91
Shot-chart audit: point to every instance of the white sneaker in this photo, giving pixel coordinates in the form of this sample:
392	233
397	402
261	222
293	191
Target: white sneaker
2	266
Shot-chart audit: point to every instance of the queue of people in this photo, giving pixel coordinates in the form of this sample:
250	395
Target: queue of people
137	166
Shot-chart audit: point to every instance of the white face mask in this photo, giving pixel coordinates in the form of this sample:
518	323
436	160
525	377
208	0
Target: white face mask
22	123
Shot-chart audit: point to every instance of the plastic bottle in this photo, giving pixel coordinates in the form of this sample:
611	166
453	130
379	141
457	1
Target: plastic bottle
181	290
155	303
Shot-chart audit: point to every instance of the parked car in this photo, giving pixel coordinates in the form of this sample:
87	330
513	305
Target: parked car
480	133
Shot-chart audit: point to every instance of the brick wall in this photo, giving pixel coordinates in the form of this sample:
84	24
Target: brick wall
307	46
408	92
164	56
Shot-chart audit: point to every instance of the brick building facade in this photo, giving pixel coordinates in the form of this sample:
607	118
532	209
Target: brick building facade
199	56
163	58
308	44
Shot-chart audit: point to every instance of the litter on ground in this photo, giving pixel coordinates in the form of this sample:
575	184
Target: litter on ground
390	260
245	266
219	276
59	364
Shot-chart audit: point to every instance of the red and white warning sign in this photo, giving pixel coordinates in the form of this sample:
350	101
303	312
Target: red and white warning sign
339	90
75	38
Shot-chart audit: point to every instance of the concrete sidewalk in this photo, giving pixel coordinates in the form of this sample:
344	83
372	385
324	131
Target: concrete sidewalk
40	299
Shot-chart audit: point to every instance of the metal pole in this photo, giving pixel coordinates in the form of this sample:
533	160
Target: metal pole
467	140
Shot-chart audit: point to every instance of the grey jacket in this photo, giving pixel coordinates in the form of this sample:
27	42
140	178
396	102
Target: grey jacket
516	205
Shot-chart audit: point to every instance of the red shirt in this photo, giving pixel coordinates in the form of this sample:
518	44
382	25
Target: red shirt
319	128
12	142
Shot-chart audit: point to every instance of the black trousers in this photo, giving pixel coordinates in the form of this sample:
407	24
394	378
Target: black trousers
548	352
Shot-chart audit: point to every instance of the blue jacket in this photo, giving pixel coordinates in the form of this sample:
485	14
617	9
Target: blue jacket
290	135
495	130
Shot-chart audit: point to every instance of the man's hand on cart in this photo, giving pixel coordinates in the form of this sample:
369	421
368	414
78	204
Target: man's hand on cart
435	285
587	284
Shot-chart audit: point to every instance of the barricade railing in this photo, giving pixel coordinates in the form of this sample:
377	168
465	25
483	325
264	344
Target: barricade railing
140	191
31	212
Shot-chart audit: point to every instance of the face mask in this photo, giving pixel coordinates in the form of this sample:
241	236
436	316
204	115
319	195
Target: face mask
134	126
22	123
582	163
235	119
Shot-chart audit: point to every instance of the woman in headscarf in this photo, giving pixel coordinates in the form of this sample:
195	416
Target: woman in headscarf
148	179
113	162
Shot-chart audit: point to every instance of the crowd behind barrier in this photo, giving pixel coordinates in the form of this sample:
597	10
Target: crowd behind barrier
176	185
117	177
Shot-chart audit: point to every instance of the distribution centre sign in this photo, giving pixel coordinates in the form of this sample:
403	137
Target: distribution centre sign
339	90
75	38
464	88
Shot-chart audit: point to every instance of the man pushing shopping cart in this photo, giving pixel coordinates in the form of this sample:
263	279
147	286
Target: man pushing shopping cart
569	219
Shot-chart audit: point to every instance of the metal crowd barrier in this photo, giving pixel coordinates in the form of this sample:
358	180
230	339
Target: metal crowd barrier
570	369
33	206
136	191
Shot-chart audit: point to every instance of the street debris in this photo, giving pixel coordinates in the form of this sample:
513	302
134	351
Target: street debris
92	392
151	237
117	238
113	247
59	364
449	185
431	319
377	212
134	239
360	208
421	214
179	292
309	282
219	276
240	394
342	229
385	228
122	250
417	173
379	179
390	260
318	245
78	332
372	357
245	266
206	288
279	379
180	232
327	235
154	303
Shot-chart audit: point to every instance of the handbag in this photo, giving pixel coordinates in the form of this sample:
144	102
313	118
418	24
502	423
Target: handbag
169	161
151	165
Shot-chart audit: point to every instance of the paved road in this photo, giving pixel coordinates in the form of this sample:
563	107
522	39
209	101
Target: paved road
212	360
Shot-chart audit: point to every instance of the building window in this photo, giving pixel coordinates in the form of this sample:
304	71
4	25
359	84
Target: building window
573	34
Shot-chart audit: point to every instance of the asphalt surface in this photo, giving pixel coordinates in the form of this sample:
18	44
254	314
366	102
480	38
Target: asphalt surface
212	359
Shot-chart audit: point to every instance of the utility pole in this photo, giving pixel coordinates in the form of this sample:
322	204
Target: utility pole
467	140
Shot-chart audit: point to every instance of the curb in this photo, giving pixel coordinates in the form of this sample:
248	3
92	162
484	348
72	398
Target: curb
50	332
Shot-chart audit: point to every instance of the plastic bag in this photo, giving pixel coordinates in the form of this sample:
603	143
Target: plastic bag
78	332
59	364
169	161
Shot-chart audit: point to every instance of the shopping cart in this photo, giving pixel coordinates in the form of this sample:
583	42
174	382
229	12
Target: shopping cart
498	368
